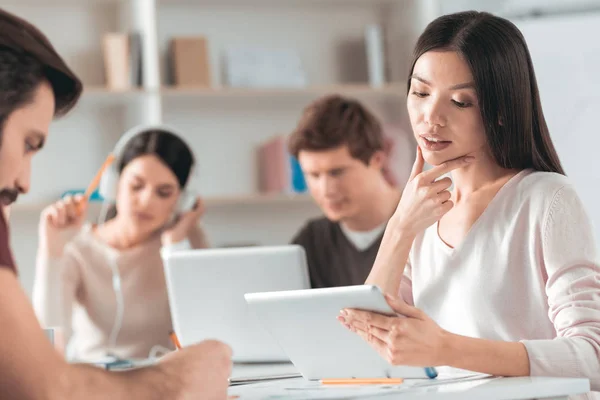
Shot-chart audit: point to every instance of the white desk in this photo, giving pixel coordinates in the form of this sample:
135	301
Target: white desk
525	388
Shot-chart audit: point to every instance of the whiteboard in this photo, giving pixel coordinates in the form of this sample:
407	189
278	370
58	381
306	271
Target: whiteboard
566	57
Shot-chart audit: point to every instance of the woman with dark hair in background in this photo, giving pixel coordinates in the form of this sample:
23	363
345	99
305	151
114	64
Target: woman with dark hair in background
36	85
78	264
499	274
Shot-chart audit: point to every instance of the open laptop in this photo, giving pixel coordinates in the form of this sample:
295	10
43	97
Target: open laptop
206	291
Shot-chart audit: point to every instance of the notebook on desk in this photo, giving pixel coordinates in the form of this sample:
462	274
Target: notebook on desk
243	374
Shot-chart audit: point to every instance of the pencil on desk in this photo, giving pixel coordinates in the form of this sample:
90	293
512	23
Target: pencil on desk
175	340
369	381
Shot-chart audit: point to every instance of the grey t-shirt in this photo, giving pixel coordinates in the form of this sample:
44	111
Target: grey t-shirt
333	260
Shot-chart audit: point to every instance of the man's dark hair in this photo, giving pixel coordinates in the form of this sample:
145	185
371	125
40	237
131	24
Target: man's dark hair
27	58
334	121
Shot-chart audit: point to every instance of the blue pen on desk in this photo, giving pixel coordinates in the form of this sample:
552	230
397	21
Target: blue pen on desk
431	372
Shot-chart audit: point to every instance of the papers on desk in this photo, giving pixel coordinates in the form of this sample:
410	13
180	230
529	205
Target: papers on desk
245	380
302	389
243	374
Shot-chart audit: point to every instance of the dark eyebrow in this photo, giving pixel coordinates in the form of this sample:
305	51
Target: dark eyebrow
466	85
166	186
417	77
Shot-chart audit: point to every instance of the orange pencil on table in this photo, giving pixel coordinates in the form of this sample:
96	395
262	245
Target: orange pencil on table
359	381
175	340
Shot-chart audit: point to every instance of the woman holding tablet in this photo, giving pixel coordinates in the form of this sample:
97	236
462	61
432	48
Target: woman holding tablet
500	273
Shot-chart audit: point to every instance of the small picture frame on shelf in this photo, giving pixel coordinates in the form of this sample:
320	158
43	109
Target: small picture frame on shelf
248	67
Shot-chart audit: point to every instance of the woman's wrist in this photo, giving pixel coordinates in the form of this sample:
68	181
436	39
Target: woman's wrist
176	245
50	251
485	356
169	238
174	236
399	231
449	349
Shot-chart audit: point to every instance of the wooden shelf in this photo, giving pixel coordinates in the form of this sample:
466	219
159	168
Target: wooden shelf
105	91
51	3
278	2
210	201
107	96
258	199
84	3
355	89
110	97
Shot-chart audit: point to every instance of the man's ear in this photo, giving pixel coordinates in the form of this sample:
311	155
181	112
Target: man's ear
378	160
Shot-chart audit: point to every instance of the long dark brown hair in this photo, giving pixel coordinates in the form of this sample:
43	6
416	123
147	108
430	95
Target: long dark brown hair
496	52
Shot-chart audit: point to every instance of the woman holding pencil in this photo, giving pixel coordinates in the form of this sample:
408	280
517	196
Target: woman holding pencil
103	284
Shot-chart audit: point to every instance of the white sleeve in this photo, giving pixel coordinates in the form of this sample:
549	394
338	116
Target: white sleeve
54	291
573	290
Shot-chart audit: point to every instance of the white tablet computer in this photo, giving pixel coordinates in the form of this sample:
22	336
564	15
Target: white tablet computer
304	323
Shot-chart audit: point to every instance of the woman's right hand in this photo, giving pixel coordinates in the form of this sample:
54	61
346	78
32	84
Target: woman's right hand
59	224
424	199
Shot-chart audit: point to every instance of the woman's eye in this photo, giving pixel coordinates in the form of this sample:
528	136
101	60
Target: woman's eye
461	104
31	147
419	94
164	195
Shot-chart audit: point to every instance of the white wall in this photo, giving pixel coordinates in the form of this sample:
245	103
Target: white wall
330	52
222	130
566	57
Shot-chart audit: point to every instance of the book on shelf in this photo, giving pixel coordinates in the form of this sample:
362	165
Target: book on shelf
189	61
135	57
278	170
122	60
